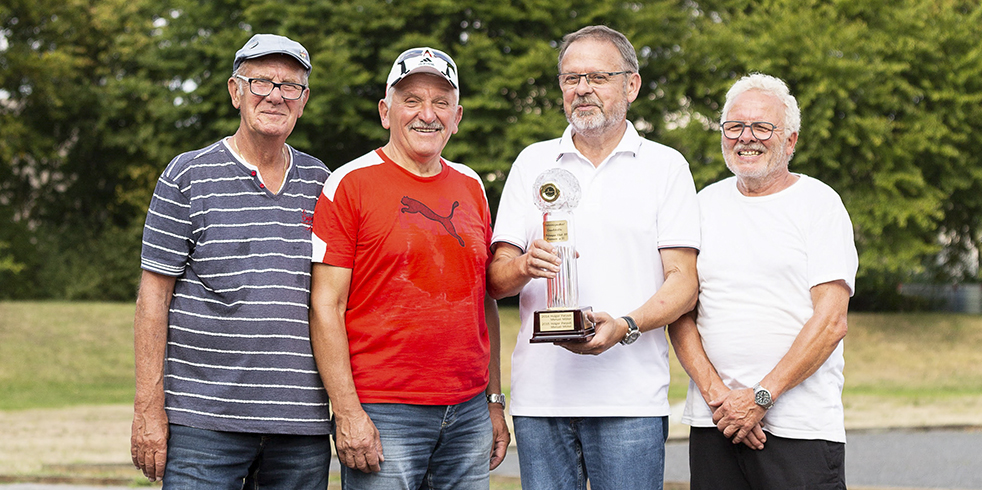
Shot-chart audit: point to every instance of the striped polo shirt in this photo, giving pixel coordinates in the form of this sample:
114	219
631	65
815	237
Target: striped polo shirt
238	345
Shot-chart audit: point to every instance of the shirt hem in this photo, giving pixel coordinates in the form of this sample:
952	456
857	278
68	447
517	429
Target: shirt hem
520	411
419	399
313	428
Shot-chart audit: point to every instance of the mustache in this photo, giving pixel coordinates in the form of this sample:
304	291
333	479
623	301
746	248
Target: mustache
590	99
435	125
752	146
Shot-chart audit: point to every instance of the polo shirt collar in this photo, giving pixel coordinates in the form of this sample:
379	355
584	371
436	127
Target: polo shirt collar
630	143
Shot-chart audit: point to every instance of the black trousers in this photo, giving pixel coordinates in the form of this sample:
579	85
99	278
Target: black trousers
715	463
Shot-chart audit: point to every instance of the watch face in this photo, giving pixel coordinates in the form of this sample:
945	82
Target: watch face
632	335
762	397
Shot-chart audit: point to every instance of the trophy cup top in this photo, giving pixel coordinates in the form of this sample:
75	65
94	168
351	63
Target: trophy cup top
556	189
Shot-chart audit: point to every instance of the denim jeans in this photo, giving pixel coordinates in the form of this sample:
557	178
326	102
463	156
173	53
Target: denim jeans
199	459
428	447
622	453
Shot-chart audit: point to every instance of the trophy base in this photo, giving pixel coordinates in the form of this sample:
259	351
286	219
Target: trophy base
562	325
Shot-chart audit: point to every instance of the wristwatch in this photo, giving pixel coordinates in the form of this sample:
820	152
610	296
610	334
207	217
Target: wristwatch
497	398
633	332
763	397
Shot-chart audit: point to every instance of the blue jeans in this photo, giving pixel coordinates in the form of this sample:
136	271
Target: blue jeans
199	459
622	453
428	447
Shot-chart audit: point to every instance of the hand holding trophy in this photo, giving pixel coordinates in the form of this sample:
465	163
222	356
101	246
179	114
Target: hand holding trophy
556	193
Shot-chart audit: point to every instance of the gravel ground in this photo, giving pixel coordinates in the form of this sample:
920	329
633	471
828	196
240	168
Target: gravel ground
92	442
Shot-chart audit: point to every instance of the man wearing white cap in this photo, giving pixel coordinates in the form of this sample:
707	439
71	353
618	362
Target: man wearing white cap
404	334
227	390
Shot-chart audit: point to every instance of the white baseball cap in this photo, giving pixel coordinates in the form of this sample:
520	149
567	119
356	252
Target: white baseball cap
423	60
266	44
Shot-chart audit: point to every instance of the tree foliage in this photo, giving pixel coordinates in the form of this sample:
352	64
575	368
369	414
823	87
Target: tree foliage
889	93
96	96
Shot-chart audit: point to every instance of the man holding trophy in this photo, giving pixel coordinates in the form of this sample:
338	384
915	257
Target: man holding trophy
601	418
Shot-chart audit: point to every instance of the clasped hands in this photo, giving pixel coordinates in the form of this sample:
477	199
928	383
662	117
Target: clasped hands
738	417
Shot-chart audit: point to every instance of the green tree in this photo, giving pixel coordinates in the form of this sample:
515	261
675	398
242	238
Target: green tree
81	100
96	96
506	52
889	95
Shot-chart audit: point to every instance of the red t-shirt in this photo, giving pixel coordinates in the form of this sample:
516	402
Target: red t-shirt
418	251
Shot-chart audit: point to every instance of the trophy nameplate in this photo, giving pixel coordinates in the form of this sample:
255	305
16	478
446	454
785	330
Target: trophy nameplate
556	193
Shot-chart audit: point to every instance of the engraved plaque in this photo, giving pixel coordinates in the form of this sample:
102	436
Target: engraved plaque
556	231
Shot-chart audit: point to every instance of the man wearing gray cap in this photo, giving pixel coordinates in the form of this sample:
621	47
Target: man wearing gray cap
227	390
404	334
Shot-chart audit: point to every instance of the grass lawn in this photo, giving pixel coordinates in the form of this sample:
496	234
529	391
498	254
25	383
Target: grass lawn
56	354
66	381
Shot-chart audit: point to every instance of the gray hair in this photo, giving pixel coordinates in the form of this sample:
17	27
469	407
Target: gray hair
602	33
770	85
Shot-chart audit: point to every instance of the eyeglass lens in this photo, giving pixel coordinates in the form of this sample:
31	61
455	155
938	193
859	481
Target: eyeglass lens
263	88
759	129
593	78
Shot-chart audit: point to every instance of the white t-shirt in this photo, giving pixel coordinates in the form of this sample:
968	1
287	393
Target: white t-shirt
640	199
760	257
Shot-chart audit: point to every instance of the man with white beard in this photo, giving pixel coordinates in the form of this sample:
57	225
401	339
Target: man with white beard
597	411
764	347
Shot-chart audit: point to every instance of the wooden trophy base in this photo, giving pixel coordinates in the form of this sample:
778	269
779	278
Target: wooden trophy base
562	325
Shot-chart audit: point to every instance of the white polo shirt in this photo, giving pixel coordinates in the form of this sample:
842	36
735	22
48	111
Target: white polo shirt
637	201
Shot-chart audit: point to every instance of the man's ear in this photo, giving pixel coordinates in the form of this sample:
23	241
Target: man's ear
233	91
383	113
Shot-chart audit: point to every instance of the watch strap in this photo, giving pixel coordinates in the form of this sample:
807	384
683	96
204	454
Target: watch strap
497	398
633	332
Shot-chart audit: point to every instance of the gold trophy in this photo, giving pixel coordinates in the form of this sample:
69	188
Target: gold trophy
556	193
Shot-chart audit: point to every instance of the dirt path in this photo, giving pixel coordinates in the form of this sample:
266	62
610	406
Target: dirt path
33	439
56	441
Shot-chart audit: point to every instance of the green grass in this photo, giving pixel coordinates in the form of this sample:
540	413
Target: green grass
57	354
905	358
914	355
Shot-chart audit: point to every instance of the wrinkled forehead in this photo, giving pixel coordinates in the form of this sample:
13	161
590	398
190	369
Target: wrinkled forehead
757	105
591	54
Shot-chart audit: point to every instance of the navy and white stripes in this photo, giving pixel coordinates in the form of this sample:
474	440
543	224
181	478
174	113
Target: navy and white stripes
238	348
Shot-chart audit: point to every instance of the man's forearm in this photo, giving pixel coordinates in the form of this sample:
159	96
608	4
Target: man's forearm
505	277
330	346
494	336
816	341
689	350
676	296
150	339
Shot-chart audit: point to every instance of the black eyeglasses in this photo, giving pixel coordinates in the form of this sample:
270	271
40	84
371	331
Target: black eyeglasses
593	79
263	87
760	130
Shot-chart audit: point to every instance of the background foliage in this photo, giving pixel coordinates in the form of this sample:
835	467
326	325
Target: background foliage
96	96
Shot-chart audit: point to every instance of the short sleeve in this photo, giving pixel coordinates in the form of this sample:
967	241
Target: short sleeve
167	234
678	213
516	200
335	225
831	248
